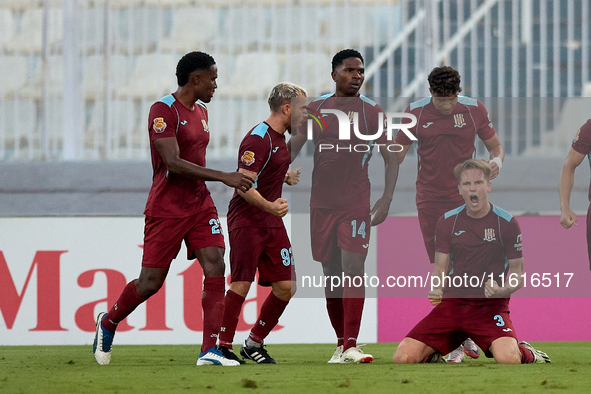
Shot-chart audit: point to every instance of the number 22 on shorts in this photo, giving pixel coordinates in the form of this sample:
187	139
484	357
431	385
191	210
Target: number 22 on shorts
216	228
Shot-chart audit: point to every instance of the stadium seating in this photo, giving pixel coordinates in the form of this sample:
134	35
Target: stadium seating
19	121
118	131
152	77
311	71
11	82
29	33
254	76
191	29
7	28
53	78
93	83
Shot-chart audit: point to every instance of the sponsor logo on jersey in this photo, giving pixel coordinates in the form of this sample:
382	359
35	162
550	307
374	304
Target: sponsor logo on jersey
184	122
205	126
159	125
459	120
507	329
247	158
275	149
459	232
518	244
365	246
427	124
489	235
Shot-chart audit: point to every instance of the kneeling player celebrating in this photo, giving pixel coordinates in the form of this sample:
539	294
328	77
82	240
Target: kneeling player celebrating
475	239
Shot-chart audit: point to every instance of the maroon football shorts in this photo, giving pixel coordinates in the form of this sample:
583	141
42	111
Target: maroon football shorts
456	319
163	236
428	217
267	249
349	230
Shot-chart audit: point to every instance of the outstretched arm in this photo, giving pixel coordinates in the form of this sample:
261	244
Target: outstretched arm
169	151
278	207
382	206
565	187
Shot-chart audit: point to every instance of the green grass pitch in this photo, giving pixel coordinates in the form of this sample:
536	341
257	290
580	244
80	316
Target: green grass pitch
300	369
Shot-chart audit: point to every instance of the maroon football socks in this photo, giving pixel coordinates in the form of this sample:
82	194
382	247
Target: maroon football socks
213	310
233	306
127	302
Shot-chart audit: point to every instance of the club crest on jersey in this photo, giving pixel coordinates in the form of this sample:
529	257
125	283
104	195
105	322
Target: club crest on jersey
489	235
205	126
351	117
159	125
577	136
247	158
459	120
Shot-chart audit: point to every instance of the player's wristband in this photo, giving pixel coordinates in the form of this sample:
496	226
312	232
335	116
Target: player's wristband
497	160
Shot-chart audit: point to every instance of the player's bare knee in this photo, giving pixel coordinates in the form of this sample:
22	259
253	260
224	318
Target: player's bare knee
212	261
241	288
404	354
400	357
508	356
508	359
148	287
283	290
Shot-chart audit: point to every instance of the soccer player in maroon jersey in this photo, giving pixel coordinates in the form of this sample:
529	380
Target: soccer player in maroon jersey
258	239
447	125
180	207
580	148
340	214
476	240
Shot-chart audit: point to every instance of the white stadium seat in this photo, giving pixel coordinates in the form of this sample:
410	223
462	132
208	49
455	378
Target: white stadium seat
7	27
11	82
254	76
28	38
153	76
93	83
191	29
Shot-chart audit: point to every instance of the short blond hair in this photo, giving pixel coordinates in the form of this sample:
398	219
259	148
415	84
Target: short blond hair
472	164
284	92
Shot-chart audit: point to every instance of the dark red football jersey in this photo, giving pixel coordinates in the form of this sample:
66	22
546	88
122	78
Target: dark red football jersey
582	143
444	141
174	195
263	151
339	179
477	247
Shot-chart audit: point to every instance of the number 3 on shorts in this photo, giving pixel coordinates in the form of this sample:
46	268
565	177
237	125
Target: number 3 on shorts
500	321
287	257
215	226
